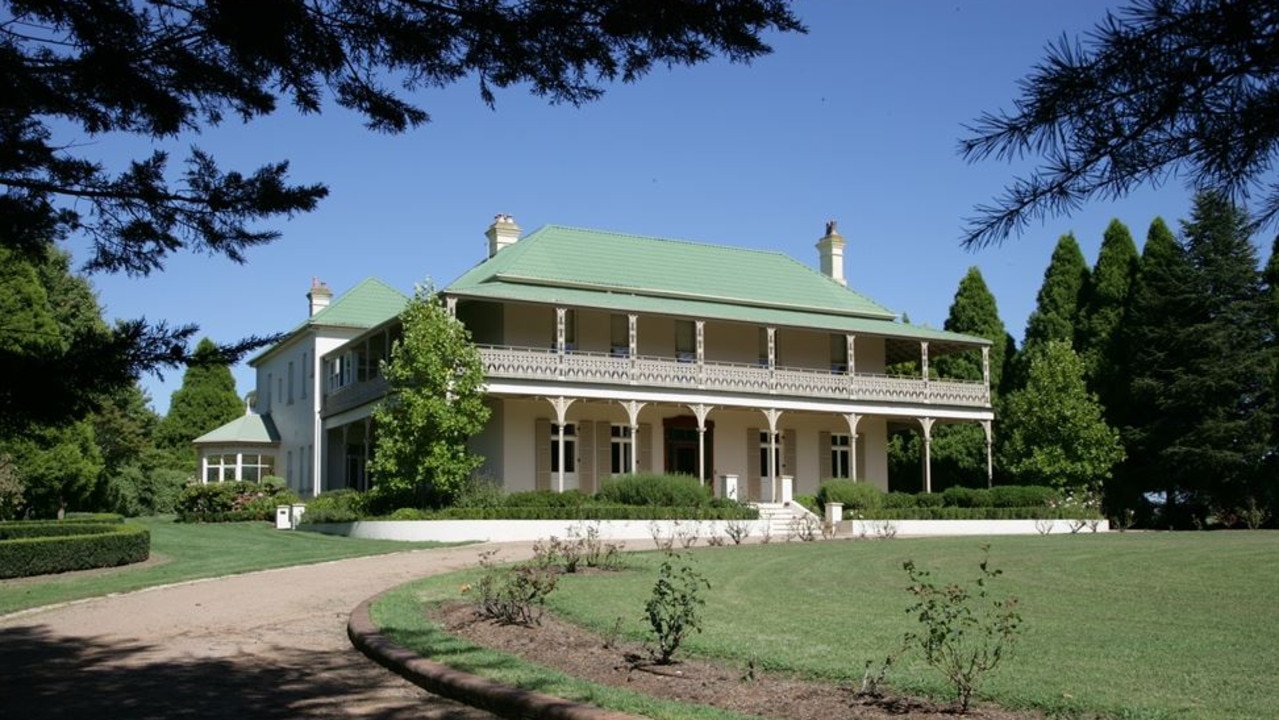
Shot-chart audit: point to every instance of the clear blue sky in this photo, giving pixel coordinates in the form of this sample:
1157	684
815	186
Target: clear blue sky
858	121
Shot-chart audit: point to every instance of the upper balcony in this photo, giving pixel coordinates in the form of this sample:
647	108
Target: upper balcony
519	363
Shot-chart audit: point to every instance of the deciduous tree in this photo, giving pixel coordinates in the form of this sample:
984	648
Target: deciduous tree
435	405
1160	89
1054	433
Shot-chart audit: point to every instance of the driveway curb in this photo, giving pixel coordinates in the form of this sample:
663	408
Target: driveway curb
472	690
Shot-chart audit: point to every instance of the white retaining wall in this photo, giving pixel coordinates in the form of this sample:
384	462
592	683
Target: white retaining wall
527	530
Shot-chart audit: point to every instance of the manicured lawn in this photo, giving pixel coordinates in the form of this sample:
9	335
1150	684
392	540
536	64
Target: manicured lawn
189	552
1123	625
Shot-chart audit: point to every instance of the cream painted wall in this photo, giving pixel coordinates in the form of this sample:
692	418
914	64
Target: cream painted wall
732	342
656	335
870	354
529	326
488	442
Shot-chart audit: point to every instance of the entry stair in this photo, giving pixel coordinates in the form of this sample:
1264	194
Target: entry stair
784	519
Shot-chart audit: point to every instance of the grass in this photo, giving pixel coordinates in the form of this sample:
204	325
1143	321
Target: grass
1152	625
192	551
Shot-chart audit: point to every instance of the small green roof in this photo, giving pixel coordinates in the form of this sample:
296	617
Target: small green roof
248	429
369	303
603	261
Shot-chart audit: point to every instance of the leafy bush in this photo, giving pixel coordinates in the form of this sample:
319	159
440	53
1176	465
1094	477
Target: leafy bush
966	497
1023	496
654	489
514	595
480	492
856	496
674	608
981	513
597	512
52	547
335	506
232	501
897	500
928	500
809	502
966	634
410	514
547	498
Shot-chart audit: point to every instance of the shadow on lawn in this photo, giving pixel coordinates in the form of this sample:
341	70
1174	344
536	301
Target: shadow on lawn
46	676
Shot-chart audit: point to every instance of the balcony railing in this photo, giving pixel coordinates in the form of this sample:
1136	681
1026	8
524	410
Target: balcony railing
611	369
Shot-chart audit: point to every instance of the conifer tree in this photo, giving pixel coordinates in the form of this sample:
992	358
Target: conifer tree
959	450
1057	304
1105	300
206	400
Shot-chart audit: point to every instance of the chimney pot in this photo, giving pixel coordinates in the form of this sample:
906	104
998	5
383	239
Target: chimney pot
319	297
830	251
502	233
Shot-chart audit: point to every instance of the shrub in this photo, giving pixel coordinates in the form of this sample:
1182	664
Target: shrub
654	489
809	502
1023	496
479	492
232	501
929	500
979	513
674	609
547	498
410	514
966	497
897	500
856	496
335	506
514	595
966	634
53	547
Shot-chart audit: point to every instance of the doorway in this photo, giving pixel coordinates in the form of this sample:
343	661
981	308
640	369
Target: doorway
679	436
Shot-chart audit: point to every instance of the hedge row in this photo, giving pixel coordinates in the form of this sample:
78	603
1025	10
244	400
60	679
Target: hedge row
578	512
74	518
39	528
862	496
980	513
223	517
95	546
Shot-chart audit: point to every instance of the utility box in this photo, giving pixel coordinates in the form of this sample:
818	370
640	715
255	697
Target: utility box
728	487
834	513
283	517
295	514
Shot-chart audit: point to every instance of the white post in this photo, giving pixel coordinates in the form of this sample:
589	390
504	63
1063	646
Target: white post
853	419
632	413
990	465
561	405
701	411
632	350
927	423
560	314
773	415
985	369
701	353
772	359
450	305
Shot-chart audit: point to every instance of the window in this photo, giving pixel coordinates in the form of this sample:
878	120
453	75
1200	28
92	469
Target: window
288	465
838	354
290	382
255	467
763	347
270	381
570	329
304	375
763	453
840	466
570	448
219	468
619	335
685	343
623	447
279	389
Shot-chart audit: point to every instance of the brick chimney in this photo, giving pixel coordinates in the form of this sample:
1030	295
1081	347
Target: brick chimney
502	233
831	251
319	296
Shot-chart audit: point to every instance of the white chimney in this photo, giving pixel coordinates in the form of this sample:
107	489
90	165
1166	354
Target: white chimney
319	296
831	250
502	233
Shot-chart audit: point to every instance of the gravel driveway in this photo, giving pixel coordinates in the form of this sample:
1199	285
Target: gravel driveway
270	644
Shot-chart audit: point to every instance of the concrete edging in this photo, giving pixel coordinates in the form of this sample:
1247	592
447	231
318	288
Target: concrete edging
466	688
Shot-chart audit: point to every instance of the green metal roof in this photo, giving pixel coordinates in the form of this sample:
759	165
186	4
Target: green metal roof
371	302
248	429
563	257
628	273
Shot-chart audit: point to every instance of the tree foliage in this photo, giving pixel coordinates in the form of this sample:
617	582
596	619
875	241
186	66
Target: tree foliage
1105	300
163	70
1057	304
1160	89
1198	422
206	401
1054	433
58	466
435	405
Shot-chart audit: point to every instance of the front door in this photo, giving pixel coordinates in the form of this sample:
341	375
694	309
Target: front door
680	440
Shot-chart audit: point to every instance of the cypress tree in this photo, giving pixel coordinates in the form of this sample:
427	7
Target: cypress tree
1057	305
959	450
206	400
1106	298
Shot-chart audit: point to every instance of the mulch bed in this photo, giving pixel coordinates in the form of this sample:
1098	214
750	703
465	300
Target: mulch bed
582	653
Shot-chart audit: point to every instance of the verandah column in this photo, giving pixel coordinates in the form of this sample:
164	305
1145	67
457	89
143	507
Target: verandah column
773	415
701	411
633	408
701	353
853	419
772	359
632	335
927	423
560	404
923	361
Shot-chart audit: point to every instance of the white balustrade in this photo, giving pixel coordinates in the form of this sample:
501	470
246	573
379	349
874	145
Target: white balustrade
612	369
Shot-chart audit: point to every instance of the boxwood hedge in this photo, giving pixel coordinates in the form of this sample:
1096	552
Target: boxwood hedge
39	548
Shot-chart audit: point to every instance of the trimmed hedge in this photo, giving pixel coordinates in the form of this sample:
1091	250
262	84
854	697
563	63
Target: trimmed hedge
978	513
232	501
37	549
654	490
856	496
720	511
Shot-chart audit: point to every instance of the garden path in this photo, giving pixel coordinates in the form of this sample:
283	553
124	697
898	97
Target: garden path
267	645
